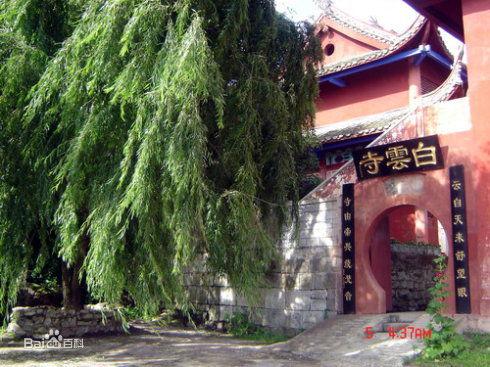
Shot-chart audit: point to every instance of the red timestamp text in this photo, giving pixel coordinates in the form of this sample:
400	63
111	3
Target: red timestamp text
406	332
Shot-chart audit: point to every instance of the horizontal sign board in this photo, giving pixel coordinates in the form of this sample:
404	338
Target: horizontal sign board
414	155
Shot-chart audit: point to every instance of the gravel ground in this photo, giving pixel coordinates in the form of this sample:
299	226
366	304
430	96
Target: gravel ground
155	347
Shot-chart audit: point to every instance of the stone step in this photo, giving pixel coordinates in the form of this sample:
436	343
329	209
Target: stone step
404	317
393	318
394	326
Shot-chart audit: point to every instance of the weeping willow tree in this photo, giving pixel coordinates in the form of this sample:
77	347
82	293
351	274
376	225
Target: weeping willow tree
162	132
30	33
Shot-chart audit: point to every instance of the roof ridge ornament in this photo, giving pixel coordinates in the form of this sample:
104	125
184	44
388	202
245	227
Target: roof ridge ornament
325	5
363	28
398	42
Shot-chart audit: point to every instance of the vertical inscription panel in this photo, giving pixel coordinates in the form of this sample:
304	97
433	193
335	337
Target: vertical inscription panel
460	239
348	250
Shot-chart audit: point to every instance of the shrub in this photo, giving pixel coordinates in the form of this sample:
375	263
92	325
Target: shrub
445	341
240	325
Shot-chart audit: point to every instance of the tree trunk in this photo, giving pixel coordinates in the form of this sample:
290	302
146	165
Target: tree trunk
74	288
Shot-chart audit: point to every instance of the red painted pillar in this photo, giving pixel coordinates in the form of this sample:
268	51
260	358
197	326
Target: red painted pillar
476	16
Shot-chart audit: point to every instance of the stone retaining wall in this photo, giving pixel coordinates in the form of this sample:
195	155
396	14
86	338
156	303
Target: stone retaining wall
36	321
305	287
412	275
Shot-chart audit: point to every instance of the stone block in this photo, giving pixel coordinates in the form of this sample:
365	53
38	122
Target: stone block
38	319
274	318
290	281
318	304
319	281
40	329
296	264
227	296
316	232
202	294
294	319
84	330
48	322
274	299
72	321
275	280
16	330
331	303
304	281
221	281
315	228
101	306
226	311
326	241
213	295
318	300
213	313
27	311
304	267
313	317
25	321
320	264
318	294
308	217
298	300
241	301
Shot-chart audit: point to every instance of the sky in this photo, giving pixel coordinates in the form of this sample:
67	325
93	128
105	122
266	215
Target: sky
391	14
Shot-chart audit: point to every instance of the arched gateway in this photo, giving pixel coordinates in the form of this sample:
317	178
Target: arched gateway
373	200
421	183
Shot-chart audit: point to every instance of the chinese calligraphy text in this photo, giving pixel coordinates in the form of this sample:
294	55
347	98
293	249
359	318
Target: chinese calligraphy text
460	238
405	156
348	248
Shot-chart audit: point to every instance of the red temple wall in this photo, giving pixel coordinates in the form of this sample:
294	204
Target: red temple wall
345	46
370	93
402	224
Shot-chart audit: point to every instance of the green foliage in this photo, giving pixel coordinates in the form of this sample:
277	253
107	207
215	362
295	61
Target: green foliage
30	32
308	183
133	313
161	131
445	341
476	355
240	325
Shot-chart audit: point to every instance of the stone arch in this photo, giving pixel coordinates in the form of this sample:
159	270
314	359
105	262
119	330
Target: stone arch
373	200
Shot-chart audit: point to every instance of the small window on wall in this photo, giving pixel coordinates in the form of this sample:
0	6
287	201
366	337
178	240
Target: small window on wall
329	49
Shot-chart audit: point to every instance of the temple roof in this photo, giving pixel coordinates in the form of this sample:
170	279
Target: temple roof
358	127
393	42
362	28
381	122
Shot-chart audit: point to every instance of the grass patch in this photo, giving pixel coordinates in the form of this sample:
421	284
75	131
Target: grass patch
477	355
240	326
264	336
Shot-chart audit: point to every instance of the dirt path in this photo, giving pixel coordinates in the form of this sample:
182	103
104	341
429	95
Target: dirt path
336	342
159	347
